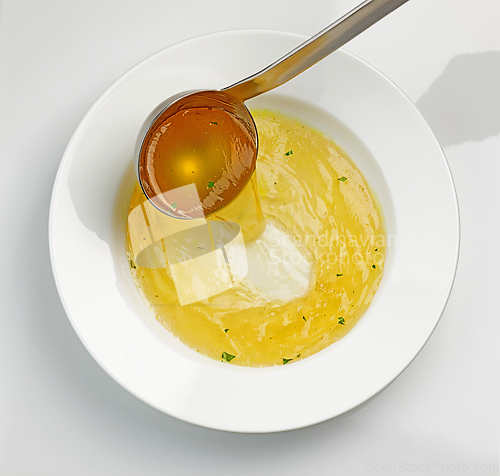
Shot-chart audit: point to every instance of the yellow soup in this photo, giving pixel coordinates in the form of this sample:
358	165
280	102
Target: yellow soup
310	190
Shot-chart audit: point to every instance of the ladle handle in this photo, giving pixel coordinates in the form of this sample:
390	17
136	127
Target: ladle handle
314	49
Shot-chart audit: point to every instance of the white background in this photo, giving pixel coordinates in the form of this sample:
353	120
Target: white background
60	414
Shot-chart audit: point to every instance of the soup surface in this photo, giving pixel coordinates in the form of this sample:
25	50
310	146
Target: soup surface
311	191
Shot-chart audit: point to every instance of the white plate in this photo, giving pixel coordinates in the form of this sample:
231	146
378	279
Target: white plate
387	138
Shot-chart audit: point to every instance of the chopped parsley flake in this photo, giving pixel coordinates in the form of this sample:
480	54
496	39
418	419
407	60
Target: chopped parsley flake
298	355
373	266
213	123
174	205
376	249
285	361
340	275
227	357
304	317
290	152
210	184
225	330
342	179
341	321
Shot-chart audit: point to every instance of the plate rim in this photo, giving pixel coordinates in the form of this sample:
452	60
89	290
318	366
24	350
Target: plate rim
67	156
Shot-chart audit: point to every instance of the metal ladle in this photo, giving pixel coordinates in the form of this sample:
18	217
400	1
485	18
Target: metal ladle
232	98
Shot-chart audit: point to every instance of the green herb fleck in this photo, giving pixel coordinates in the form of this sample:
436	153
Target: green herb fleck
174	205
376	249
227	357
340	275
210	184
373	266
213	123
298	355
304	317
341	321
290	152
285	361
132	264
342	179
225	330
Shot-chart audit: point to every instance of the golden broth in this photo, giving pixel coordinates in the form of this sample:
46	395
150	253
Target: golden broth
311	188
176	150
